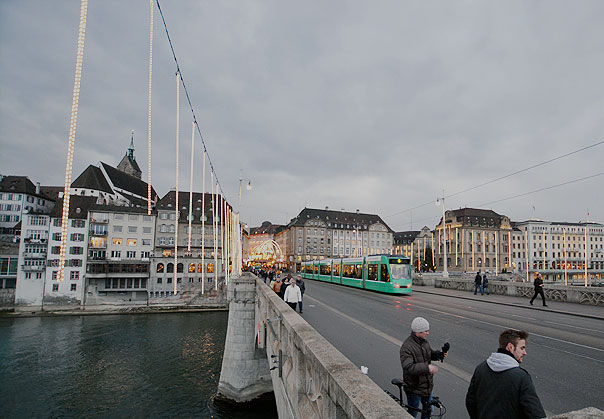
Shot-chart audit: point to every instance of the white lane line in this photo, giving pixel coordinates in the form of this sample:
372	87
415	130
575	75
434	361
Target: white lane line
499	325
397	342
574	327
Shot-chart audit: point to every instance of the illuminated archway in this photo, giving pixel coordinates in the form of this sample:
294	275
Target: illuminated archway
266	252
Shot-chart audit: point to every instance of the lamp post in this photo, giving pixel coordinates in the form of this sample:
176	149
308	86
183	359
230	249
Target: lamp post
239	244
441	201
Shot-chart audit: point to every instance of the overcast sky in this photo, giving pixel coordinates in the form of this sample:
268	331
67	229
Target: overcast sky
376	106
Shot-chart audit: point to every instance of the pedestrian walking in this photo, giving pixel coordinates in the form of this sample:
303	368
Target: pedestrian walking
485	284
300	284
277	285
293	295
284	288
418	371
500	388
478	283
538	289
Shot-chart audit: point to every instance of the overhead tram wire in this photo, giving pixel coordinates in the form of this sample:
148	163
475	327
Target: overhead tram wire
544	189
502	177
182	80
526	193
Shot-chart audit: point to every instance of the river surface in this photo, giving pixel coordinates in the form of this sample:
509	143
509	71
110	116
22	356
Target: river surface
115	366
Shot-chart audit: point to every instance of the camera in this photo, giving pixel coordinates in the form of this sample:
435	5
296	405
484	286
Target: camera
444	350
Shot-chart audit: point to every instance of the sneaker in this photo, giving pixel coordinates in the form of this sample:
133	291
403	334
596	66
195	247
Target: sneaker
531	302
545	305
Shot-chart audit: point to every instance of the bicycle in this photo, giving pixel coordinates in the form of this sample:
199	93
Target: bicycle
434	403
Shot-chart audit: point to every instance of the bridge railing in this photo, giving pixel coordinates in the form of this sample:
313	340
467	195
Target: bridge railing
311	378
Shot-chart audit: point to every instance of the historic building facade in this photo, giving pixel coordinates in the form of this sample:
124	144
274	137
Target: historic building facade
414	244
560	251
477	239
319	234
197	260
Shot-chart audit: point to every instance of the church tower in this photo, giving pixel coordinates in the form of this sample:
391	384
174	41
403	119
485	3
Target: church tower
128	163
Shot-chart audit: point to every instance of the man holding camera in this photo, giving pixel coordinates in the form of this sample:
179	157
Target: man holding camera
418	371
500	388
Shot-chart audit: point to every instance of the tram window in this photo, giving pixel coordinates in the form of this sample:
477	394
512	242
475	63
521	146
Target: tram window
352	271
372	274
325	270
316	270
336	269
384	275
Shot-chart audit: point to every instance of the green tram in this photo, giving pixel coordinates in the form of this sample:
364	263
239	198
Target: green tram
383	273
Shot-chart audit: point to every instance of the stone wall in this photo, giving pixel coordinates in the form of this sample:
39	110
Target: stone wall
7	298
311	378
564	293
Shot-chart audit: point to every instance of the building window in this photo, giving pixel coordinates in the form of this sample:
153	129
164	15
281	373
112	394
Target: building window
117	242
131	254
55	287
132	229
73	287
74	275
131	242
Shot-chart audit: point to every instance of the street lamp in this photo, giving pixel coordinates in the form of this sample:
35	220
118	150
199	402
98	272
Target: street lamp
441	201
248	187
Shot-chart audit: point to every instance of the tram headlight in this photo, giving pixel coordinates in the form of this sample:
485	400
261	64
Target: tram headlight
397	286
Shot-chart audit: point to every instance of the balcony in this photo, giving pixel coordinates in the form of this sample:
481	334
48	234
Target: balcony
99	220
34	255
98	233
33	268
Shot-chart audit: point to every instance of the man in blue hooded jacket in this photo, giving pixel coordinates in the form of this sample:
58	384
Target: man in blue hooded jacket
500	388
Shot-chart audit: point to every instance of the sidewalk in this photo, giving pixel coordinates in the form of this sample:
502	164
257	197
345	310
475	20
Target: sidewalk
580	310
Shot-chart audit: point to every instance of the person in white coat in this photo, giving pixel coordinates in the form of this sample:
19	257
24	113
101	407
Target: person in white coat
292	295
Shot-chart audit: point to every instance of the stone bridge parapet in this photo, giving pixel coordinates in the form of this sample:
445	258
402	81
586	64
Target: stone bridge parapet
310	377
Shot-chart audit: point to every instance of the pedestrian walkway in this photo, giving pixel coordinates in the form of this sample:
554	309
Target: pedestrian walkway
580	310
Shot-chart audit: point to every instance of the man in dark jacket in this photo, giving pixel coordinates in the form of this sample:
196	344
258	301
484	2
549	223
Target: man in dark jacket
300	283
499	388
538	289
478	283
485	284
416	356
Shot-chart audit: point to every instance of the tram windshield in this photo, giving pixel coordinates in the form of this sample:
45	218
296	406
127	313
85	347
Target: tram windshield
400	269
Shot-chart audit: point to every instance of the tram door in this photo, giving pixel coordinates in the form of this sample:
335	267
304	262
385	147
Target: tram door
365	266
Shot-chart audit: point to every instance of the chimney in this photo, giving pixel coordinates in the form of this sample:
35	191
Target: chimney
357	210
326	207
37	188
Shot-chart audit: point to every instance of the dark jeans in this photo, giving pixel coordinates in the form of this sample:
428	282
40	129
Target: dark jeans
486	289
292	305
478	287
300	304
413	401
538	291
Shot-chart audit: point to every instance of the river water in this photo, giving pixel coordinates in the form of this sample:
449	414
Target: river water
115	366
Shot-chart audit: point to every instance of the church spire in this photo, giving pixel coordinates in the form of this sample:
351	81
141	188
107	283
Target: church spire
131	148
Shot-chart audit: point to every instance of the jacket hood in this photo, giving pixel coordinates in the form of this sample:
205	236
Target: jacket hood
499	362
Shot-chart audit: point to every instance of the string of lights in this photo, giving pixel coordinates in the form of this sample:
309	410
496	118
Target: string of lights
149	110
72	132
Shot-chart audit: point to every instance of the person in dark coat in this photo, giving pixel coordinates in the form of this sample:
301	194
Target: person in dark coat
538	289
500	388
300	283
485	284
418	371
284	287
478	283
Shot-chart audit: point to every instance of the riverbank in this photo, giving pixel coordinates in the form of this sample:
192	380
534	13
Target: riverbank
103	310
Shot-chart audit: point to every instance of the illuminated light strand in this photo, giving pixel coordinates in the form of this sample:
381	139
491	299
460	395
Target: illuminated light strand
176	209
149	113
222	232
215	233
72	132
191	186
203	225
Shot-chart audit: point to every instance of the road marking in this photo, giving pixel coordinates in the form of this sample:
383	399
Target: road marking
447	367
574	327
499	325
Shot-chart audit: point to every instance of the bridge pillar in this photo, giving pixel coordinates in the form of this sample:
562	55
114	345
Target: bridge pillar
245	371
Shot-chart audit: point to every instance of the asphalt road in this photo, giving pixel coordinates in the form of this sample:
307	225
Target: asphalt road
565	353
